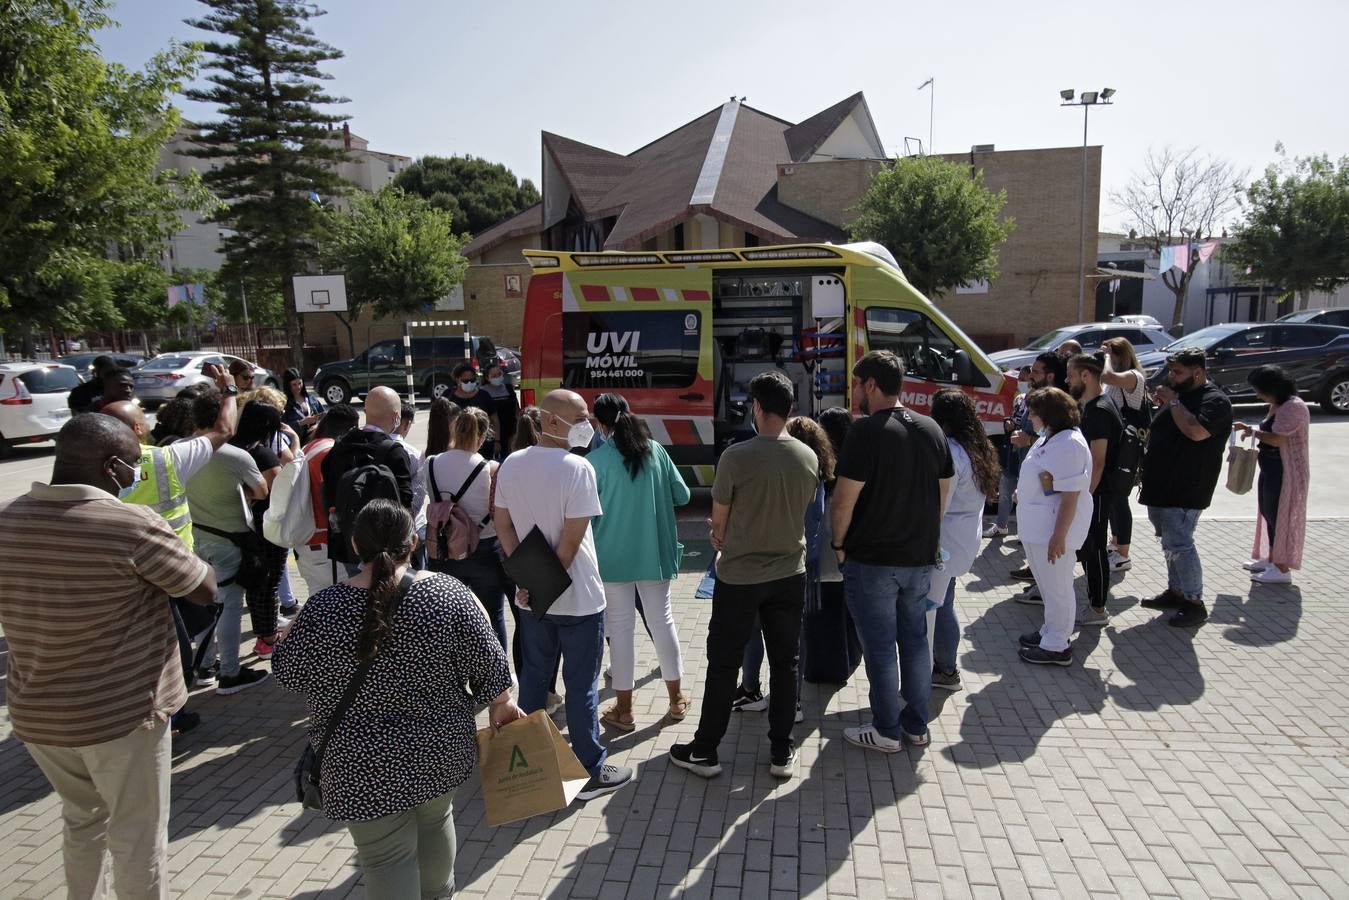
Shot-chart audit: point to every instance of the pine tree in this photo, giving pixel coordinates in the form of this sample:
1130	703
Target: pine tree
278	157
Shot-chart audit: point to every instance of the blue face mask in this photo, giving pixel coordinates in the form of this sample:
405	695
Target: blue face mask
124	492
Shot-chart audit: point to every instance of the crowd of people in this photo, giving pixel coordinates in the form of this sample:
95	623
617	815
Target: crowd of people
839	540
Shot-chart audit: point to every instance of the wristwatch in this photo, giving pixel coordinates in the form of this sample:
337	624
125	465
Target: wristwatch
231	390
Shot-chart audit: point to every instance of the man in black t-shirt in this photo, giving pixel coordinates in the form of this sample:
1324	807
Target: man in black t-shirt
1103	428
82	398
893	478
467	392
1180	471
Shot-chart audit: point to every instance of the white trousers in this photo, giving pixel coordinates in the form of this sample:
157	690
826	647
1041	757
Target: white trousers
620	623
114	799
1055	582
317	569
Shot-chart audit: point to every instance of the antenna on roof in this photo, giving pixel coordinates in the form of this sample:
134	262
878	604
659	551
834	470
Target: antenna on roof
743	99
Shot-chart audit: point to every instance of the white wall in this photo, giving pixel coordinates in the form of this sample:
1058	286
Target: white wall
851	140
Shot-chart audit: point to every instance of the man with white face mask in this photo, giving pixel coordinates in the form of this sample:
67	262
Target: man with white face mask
549	487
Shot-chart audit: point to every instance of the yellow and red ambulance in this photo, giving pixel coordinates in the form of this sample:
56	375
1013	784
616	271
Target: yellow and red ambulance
680	334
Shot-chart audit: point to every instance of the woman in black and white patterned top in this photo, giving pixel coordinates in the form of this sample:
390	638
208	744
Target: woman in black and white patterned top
393	762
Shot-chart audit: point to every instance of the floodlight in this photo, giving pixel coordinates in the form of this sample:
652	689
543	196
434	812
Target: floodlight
1067	95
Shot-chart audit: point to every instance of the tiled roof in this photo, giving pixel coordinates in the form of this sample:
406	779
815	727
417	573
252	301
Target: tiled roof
723	163
807	137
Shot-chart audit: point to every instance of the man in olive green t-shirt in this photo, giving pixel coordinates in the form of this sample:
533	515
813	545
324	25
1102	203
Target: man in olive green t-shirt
759	501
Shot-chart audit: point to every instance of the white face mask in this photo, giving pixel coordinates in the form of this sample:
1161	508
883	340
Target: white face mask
125	491
496	382
1023	387
469	387
579	434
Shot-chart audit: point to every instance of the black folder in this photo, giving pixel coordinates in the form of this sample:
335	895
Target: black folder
535	567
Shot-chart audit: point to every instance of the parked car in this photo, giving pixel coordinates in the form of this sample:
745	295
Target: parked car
1315	356
1138	319
163	377
84	362
33	401
1090	335
1319	317
510	364
433	362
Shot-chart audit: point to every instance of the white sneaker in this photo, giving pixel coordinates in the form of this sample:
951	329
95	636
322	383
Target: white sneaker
1119	563
994	530
553	703
1255	565
868	737
1011	541
1272	575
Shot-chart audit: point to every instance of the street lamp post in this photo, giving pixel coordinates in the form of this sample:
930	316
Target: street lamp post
931	109
1087	100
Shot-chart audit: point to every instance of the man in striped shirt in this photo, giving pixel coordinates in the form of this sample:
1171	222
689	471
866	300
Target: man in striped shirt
94	672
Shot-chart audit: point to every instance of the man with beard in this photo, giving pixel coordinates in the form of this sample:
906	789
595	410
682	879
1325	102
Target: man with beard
894	475
1180	471
1102	427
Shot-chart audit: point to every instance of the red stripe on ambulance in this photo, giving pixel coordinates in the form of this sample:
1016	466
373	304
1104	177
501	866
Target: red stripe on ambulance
597	293
681	431
645	294
696	295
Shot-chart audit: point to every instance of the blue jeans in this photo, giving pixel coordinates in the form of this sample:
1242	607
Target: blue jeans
889	605
581	642
1175	529
946	632
224	557
482	574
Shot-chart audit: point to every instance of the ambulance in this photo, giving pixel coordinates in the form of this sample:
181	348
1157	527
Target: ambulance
681	334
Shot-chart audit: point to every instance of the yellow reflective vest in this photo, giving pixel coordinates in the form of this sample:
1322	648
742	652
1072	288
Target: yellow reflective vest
163	491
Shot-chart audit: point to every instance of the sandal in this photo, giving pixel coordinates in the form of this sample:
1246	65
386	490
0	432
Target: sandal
679	708
614	719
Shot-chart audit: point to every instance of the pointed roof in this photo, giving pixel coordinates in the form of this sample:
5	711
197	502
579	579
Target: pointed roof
805	138
723	163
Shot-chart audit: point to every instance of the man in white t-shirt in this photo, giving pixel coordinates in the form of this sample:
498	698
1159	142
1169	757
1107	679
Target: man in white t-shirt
549	487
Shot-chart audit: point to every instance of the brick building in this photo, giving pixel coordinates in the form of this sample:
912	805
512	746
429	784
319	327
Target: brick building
736	177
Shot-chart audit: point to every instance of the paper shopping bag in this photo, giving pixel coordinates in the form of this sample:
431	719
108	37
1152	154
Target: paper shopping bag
1240	466
527	769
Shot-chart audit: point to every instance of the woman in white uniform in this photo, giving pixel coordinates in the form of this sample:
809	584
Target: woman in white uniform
1053	519
976	479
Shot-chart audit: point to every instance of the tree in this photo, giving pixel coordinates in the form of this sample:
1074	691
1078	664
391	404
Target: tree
277	151
399	253
1296	232
477	193
1179	197
80	140
937	218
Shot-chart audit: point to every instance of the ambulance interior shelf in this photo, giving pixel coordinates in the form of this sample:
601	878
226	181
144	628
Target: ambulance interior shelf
760	324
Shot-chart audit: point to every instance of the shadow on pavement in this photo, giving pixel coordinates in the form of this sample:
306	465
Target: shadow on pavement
1269	615
1161	663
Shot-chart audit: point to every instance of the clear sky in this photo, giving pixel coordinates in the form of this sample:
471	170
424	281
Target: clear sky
459	77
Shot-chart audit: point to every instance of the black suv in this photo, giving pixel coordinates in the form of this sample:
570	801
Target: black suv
1315	356
1338	316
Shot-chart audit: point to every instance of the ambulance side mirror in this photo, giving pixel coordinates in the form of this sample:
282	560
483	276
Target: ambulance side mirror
965	370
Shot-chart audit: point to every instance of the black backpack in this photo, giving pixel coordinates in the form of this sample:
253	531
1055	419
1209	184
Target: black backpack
358	486
1126	470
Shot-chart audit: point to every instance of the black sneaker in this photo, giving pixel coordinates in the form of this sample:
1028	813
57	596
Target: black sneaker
783	763
1042	657
290	611
1167	599
610	779
246	679
748	701
1029	639
947	681
184	721
1189	615
1023	574
1030	596
704	764
206	677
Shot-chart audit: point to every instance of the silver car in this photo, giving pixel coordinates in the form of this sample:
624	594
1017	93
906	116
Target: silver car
161	378
1089	334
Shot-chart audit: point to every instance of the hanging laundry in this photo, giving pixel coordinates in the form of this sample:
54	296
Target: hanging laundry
1167	261
1206	250
1182	257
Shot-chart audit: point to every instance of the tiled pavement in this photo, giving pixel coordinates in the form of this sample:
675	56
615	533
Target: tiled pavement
1163	763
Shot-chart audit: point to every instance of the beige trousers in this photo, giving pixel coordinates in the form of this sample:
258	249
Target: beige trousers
114	797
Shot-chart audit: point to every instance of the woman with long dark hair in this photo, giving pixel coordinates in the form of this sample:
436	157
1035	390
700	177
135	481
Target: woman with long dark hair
1285	468
407	742
978	473
440	427
507	405
257	433
638	550
302	408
